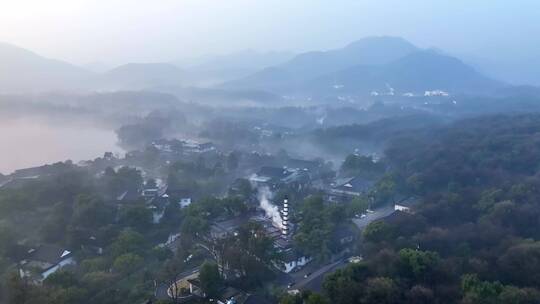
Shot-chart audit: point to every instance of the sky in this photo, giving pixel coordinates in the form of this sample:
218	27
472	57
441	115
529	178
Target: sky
119	31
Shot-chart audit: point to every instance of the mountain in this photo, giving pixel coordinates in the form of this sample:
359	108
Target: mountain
372	51
24	71
210	70
142	76
415	73
380	64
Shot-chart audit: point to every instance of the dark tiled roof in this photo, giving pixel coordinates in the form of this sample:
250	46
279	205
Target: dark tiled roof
355	184
396	217
256	299
303	164
408	201
273	172
47	253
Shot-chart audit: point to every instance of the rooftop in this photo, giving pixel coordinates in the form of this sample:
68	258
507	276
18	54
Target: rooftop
353	184
274	172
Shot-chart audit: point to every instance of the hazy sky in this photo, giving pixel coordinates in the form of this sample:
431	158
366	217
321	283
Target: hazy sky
117	31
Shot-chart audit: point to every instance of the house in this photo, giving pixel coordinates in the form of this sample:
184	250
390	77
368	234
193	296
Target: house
222	229
44	261
127	196
347	188
269	174
150	193
310	168
305	165
406	204
194	147
158	205
291	260
272	176
184	202
183	197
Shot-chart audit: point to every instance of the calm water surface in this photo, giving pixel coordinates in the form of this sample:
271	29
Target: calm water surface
26	143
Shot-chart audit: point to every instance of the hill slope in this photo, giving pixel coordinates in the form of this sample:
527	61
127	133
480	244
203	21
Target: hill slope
373	50
417	72
142	75
24	71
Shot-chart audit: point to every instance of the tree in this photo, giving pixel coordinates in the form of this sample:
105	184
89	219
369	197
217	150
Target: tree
480	292
90	212
420	295
514	295
291	299
18	289
377	232
316	298
316	227
361	165
62	278
136	216
127	263
7	241
358	205
381	290
128	241
385	190
98	280
232	160
211	281
418	265
521	264
170	274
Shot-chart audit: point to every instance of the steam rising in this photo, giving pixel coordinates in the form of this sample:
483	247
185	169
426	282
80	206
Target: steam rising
271	210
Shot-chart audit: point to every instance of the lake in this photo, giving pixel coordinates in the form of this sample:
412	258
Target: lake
31	142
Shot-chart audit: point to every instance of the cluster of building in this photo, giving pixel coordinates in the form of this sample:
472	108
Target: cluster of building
280	232
186	146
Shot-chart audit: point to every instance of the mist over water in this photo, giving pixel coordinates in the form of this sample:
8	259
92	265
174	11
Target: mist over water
28	142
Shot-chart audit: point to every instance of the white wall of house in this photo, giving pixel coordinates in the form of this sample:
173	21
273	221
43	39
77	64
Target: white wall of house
48	272
185	202
290	266
157	216
398	207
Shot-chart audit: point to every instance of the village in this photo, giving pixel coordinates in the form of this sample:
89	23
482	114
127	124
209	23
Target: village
262	207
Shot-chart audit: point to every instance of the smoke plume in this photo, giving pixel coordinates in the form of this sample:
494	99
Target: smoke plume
271	210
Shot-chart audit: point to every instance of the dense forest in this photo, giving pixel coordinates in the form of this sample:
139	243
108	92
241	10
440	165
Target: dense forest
474	237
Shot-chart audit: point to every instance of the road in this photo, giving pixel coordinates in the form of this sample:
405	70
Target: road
161	290
316	277
377	214
316	273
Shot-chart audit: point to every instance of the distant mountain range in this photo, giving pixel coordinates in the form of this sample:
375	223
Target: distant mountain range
25	71
142	75
211	70
379	65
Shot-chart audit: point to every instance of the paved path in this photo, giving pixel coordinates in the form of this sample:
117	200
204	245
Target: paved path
318	274
377	214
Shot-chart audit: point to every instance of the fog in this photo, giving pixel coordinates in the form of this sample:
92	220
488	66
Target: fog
266	151
496	31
